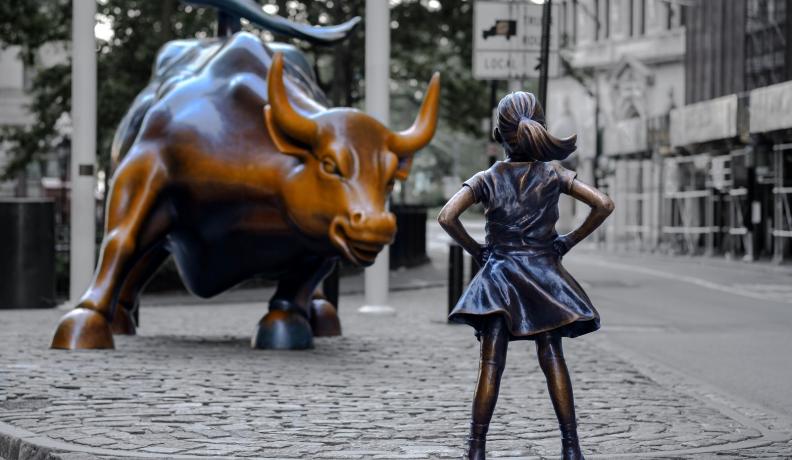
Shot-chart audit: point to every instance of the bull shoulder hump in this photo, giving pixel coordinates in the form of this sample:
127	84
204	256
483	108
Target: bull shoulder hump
224	70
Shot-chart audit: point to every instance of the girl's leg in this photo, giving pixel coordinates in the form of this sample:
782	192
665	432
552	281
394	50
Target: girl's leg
494	342
551	360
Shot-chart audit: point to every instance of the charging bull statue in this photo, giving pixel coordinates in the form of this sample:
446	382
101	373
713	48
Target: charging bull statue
230	163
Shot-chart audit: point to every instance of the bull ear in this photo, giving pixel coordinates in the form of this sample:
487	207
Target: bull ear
282	142
403	171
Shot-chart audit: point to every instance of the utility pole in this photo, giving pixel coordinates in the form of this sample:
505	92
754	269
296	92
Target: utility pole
545	52
83	148
378	106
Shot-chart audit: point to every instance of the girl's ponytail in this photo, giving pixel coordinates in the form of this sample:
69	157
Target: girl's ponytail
520	127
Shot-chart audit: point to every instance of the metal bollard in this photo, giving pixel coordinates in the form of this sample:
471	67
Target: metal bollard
455	275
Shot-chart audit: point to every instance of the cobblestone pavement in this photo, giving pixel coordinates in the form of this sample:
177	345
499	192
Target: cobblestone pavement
392	387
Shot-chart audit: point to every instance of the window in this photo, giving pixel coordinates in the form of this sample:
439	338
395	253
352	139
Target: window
631	18
669	16
606	31
642	18
682	15
574	21
564	25
597	22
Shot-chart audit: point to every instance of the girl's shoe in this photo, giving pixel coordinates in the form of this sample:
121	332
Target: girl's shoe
477	442
570	447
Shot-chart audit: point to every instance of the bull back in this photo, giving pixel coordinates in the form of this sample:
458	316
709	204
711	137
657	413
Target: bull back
179	61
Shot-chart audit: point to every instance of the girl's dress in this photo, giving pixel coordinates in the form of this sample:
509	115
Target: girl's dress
523	279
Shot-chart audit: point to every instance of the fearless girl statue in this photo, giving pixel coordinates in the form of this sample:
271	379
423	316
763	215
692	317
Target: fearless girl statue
522	291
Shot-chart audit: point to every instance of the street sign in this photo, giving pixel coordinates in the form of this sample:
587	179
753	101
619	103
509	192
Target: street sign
507	38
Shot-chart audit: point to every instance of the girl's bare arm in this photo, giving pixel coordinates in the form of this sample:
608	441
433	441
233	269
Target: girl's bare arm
601	207
449	220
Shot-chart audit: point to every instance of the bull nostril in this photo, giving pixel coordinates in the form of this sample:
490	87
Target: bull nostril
357	218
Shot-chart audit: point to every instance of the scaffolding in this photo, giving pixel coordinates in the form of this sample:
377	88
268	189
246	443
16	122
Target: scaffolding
633	195
730	178
782	192
689	205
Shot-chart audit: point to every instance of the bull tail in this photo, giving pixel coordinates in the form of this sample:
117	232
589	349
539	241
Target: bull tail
232	10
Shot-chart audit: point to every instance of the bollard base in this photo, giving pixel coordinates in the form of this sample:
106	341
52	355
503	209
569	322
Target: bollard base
382	310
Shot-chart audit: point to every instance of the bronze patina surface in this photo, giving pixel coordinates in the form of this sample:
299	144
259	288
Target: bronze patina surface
231	163
522	291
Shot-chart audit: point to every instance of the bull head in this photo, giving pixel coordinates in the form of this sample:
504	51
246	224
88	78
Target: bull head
348	163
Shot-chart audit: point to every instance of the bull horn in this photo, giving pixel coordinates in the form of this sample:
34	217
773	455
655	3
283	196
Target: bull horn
291	122
421	132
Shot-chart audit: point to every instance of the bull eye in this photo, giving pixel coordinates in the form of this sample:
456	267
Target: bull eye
389	186
330	167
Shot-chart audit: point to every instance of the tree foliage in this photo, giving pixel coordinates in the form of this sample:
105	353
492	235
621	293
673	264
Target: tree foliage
125	60
30	25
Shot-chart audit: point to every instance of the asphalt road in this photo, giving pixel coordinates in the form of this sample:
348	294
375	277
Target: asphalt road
728	327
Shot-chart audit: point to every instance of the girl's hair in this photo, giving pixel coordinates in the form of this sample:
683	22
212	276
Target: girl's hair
520	128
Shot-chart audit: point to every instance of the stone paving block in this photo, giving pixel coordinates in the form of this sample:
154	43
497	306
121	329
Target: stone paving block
392	387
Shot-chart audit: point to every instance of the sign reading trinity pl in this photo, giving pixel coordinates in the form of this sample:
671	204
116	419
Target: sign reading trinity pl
507	39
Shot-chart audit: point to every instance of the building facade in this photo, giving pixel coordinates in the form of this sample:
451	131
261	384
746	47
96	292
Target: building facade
727	173
683	112
622	73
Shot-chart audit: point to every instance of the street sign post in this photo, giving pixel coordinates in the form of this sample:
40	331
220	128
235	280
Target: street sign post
507	39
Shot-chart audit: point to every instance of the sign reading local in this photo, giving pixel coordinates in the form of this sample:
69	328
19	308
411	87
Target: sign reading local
507	40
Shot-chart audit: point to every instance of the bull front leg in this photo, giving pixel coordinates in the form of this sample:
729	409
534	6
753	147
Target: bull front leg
287	325
135	225
129	298
323	314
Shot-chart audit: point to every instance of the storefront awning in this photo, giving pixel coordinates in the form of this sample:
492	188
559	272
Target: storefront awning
771	108
704	121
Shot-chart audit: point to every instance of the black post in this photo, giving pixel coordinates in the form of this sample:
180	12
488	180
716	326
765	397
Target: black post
455	275
491	158
545	53
598	136
493	105
227	24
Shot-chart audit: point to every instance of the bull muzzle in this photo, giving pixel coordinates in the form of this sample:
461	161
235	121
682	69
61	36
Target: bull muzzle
360	237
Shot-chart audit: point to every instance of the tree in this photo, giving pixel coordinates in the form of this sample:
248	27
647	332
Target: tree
124	61
31	25
126	58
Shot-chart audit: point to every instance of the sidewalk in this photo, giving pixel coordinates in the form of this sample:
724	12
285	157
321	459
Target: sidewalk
394	387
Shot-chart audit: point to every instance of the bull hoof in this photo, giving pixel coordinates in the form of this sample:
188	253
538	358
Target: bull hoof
123	324
324	319
82	328
283	330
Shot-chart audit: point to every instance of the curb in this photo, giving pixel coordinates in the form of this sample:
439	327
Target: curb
19	444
